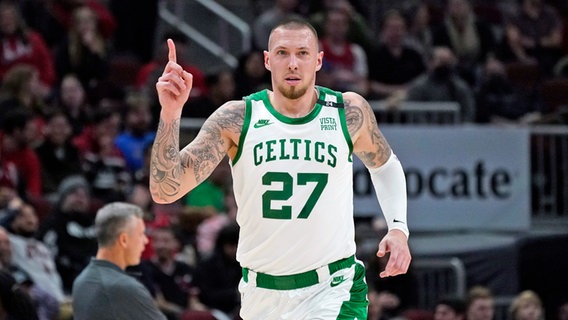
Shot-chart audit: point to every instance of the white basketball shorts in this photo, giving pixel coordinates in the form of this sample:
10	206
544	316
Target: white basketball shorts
337	291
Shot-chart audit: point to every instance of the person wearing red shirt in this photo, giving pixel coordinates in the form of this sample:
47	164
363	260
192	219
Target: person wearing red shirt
22	45
18	129
150	72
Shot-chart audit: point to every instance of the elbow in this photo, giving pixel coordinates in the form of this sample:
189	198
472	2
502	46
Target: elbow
160	197
160	200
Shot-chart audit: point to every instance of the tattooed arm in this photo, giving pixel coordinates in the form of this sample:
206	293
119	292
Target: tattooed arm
387	176
173	173
369	144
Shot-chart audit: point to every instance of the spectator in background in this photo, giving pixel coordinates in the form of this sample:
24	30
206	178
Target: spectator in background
46	306
220	88
69	230
420	35
389	297
345	65
250	74
84	51
18	132
212	191
534	35
151	71
140	194
268	19
104	290
526	306
171	282
72	99
103	163
562	311
59	158
9	196
441	83
53	18
189	220
450	308
22	45
358	31
134	30
469	37
380	303
480	304
218	276
21	90
15	303
393	64
499	101
30	254
138	131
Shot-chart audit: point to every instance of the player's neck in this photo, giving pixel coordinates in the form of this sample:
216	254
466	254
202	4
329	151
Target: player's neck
294	108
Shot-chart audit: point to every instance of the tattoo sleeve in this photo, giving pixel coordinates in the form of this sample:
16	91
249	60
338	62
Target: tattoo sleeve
370	145
174	172
165	161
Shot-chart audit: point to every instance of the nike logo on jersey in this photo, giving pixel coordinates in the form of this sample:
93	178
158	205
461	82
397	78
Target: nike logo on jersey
262	123
337	281
395	220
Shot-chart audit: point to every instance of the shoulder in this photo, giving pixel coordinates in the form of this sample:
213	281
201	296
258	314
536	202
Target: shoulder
119	285
357	110
355	103
227	121
353	97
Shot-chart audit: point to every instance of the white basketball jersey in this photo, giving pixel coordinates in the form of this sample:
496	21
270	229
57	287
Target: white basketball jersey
293	185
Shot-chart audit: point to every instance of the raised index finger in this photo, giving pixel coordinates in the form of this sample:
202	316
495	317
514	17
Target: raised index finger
171	51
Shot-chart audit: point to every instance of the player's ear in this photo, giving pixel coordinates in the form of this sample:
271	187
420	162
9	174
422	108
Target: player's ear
266	60
319	61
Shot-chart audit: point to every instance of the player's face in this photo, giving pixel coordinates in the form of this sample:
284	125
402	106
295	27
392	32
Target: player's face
293	59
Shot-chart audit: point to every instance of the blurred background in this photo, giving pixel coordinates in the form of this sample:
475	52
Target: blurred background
471	94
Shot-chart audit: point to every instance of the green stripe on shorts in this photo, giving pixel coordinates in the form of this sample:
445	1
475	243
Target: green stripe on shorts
357	306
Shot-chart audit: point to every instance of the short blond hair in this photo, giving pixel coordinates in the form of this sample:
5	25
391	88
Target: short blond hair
478	292
527	296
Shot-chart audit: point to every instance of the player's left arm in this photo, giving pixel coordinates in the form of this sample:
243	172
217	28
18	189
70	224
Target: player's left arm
387	176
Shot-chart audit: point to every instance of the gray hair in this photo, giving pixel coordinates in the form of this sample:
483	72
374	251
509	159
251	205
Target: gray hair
112	219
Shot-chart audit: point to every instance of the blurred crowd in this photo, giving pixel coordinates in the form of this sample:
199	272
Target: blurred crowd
79	110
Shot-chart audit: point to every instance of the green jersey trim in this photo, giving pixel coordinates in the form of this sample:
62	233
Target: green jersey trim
302	120
246	125
344	127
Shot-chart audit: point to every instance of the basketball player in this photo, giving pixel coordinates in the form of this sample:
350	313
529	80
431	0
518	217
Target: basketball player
290	152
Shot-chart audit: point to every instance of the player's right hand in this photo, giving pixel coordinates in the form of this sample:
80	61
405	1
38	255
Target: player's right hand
174	85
